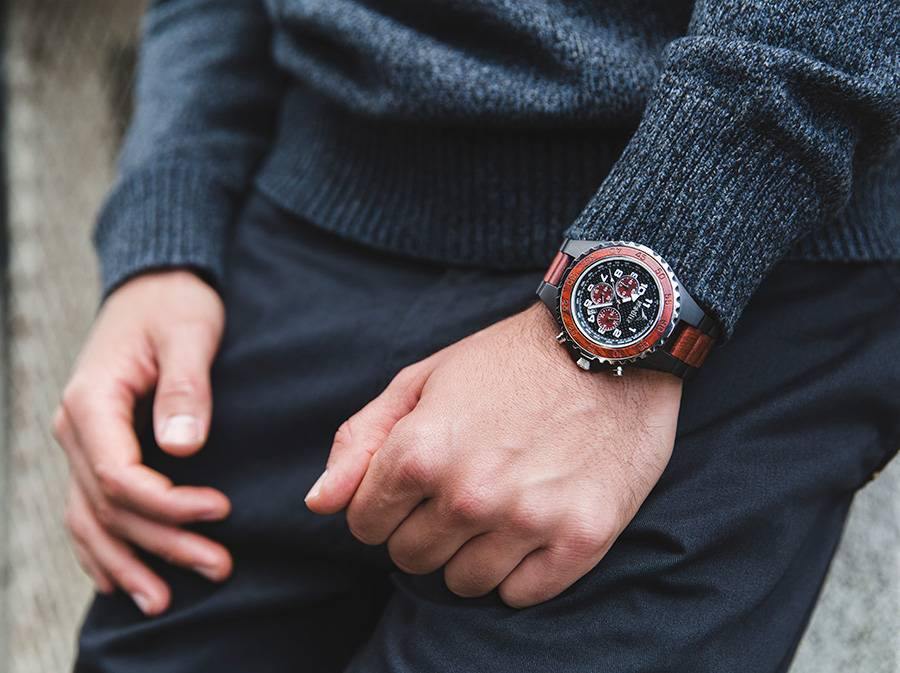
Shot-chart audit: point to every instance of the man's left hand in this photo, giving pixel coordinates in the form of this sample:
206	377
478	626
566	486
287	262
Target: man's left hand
497	459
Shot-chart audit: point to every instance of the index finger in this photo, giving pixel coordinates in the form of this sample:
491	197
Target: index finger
146	491
400	476
104	439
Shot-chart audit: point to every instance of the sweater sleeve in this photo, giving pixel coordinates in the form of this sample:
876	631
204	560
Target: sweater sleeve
750	139
206	99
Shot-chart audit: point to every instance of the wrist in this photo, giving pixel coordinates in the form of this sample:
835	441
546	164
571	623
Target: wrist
541	329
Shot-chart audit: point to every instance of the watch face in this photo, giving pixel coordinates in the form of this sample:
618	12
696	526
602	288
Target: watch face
616	302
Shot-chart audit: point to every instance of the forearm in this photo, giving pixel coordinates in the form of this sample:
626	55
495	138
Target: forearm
750	139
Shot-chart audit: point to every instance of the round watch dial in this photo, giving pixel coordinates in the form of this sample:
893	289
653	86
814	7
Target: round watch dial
616	302
602	294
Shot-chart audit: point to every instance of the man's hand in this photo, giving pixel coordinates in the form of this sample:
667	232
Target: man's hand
159	331
499	460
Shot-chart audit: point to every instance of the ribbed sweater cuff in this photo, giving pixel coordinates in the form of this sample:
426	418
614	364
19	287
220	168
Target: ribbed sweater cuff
702	185
171	216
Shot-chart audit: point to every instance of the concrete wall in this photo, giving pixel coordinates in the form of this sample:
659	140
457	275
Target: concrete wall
68	64
62	63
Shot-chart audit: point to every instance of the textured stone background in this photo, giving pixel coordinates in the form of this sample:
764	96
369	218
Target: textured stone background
64	64
69	65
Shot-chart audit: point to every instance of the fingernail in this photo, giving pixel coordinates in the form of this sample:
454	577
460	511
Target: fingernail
181	429
208	572
143	602
212	515
314	491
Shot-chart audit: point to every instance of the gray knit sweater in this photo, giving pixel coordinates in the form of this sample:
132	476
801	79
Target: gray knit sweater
725	134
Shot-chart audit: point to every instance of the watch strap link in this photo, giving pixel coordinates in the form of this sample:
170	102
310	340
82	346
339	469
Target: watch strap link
557	268
691	345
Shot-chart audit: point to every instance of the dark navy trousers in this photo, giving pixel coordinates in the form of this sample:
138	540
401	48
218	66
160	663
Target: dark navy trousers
718	571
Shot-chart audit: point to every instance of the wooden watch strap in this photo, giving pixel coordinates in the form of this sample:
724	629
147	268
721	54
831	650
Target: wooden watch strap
557	268
691	346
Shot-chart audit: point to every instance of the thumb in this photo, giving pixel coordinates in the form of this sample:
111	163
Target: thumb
182	406
359	437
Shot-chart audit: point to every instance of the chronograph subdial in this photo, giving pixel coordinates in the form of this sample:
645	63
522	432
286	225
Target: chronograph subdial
628	288
617	302
620	306
602	294
608	319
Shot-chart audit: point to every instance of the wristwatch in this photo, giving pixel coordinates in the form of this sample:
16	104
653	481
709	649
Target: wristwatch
618	304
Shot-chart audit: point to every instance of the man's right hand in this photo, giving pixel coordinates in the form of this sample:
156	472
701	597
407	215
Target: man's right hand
158	331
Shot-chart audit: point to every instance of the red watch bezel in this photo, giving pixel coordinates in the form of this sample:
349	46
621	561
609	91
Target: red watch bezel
653	337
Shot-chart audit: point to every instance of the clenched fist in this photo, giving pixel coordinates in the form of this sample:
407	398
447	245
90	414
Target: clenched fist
500	461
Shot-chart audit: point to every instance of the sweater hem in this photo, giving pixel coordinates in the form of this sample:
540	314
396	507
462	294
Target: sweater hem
488	198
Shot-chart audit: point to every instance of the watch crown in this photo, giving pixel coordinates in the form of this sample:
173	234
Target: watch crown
584	363
617	370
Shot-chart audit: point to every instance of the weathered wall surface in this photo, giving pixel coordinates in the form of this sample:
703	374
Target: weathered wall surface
62	62
69	65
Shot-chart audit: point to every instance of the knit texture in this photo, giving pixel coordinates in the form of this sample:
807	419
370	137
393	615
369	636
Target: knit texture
724	134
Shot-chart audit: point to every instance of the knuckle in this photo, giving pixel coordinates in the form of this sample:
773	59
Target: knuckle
586	538
457	585
408	560
344	435
414	466
468	580
75	525
405	376
74	398
111	486
106	514
173	550
468	506
605	529
120	567
181	386
364	536
518	598
200	328
525	521
360	529
60	423
405	562
419	434
353	517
